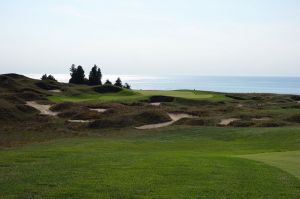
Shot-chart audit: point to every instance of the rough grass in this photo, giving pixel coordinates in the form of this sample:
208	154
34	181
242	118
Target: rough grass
48	85
136	118
170	163
11	112
121	96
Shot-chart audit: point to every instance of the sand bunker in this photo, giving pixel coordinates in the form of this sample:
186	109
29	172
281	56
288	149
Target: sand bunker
240	105
55	91
298	102
155	104
261	119
99	110
80	121
174	116
226	122
44	109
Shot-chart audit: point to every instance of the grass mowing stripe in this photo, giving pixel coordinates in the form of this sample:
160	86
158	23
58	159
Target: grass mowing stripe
288	161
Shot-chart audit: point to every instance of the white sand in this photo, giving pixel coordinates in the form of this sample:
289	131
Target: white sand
226	122
261	119
55	91
80	121
100	110
240	105
298	102
44	109
155	104
174	116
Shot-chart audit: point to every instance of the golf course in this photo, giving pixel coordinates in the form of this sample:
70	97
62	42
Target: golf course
75	141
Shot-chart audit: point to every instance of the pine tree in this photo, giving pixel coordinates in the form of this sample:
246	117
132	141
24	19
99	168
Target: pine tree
44	77
80	75
108	82
127	86
95	76
48	77
77	75
119	83
73	71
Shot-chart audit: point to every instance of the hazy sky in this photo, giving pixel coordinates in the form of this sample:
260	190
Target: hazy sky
151	37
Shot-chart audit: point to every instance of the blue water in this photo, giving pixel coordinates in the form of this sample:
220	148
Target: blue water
236	84
282	85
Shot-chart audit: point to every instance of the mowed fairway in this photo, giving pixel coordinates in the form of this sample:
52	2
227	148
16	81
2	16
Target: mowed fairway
288	161
175	162
136	95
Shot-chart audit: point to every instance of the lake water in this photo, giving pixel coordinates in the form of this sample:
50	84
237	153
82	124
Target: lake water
287	85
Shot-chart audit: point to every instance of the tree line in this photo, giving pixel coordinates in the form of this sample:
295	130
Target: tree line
95	77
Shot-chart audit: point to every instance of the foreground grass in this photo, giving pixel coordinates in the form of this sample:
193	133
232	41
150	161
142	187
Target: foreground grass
174	162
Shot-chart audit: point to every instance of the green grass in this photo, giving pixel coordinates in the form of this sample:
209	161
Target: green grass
188	94
172	162
175	162
136	95
288	161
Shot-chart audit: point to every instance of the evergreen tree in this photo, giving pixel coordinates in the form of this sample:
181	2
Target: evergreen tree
118	83
127	86
77	75
73	74
48	77
80	75
95	76
44	77
108	82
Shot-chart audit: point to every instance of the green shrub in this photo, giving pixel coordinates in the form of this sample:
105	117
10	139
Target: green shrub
112	123
151	117
271	124
242	123
195	122
107	89
236	97
86	114
63	106
160	98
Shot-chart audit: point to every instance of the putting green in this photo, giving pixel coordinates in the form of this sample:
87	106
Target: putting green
288	161
182	94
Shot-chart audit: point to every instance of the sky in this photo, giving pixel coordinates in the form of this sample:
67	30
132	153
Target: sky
151	37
